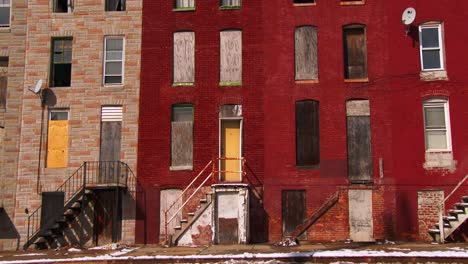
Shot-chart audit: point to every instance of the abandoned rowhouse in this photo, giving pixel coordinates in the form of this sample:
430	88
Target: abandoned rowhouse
318	120
74	180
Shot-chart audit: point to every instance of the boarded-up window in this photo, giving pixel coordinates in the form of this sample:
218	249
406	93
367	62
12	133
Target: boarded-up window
359	141
355	52
184	57
182	137
307	133
57	139
231	57
305	42
3	81
61	61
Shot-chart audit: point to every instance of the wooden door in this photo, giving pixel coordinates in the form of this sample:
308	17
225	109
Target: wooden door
110	151
107	216
293	211
230	148
169	197
360	215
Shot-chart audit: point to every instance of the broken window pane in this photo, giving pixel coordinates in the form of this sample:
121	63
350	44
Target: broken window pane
60	74
115	5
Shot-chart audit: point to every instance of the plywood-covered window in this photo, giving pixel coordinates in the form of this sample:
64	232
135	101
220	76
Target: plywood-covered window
5	12
355	52
57	139
437	125
182	137
307	133
184	58
113	59
305	43
184	4
3	81
61	62
231	57
115	5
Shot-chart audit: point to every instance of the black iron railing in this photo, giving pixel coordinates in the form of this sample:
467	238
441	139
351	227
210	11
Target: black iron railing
90	174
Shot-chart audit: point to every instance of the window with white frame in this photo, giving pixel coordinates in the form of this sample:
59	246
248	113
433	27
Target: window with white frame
437	125
431	47
113	60
230	3
5	9
184	4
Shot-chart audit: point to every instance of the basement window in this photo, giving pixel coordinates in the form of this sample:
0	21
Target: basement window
230	4
115	5
5	9
61	62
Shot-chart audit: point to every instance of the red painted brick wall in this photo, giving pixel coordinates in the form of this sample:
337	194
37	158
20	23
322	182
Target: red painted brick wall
269	92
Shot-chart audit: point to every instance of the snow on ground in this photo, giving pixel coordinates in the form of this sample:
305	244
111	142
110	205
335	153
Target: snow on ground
74	250
30	254
264	258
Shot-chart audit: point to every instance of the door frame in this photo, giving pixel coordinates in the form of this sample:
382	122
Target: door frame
220	137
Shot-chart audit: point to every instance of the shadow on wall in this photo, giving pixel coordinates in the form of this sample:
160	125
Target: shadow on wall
258	221
7	228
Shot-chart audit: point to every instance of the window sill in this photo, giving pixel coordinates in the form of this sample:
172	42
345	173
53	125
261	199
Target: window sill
182	84
119	86
184	9
5	29
433	75
230	84
306	81
181	168
348	3
229	7
308	167
305	4
363	80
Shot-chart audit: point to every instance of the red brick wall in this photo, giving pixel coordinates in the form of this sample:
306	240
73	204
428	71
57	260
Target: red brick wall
428	212
269	92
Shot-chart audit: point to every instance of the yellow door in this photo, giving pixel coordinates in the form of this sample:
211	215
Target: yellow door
230	148
57	144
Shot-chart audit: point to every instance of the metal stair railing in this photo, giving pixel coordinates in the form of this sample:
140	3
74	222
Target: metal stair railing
168	220
442	210
90	172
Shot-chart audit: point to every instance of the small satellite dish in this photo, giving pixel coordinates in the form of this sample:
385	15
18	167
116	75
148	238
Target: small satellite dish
408	16
38	86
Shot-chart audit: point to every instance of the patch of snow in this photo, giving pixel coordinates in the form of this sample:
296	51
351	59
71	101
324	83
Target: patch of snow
457	249
122	252
288	242
370	253
74	250
30	254
113	246
389	242
399	249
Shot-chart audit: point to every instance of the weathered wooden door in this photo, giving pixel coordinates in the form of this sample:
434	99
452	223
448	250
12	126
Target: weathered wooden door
360	215
169	197
230	149
107	216
111	127
293	210
359	141
227	218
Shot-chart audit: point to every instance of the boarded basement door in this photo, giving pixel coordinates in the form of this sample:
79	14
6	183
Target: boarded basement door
228	218
293	211
360	215
168	197
52	206
107	217
359	141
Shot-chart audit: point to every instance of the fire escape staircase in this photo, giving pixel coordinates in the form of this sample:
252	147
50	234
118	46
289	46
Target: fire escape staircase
309	221
171	213
454	219
78	189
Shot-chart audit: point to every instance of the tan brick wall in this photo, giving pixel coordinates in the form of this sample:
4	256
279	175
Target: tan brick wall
87	24
12	44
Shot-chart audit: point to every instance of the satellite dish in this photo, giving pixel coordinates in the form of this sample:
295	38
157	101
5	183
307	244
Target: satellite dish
408	16
38	86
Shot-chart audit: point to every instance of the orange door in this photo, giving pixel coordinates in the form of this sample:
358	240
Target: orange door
230	148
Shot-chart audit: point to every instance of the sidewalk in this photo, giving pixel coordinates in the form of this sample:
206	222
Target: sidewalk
256	253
